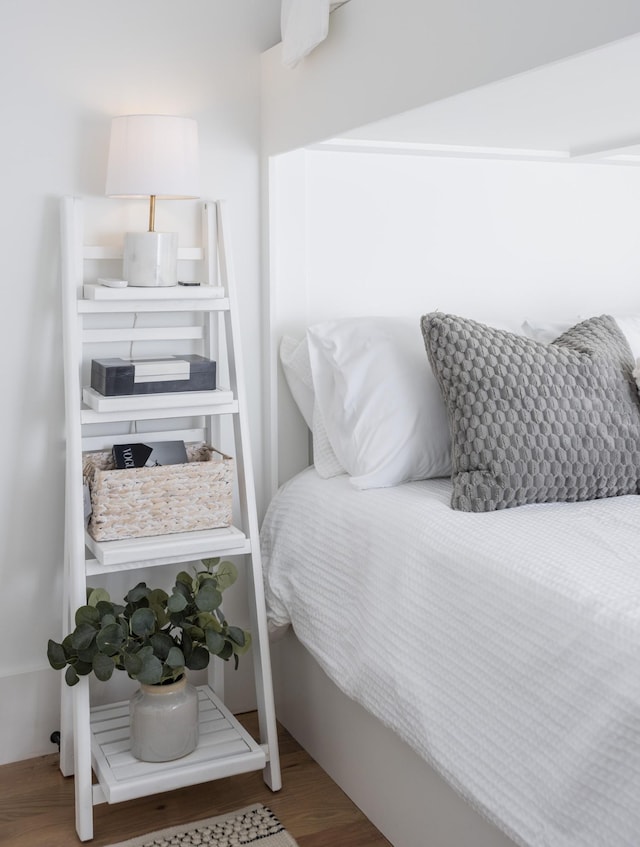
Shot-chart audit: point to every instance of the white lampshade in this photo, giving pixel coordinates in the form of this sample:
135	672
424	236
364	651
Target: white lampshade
153	155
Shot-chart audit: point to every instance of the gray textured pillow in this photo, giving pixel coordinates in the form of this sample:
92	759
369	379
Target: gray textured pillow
533	422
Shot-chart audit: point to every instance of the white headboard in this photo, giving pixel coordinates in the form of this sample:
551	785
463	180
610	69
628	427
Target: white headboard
375	234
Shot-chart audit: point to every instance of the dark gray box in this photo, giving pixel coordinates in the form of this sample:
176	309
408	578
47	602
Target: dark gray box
116	377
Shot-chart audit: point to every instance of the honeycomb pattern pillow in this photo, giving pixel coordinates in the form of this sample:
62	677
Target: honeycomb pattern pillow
533	422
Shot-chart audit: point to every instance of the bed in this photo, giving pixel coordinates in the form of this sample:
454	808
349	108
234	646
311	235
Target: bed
459	173
468	677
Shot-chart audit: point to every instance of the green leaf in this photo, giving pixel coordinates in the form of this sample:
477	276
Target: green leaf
240	651
210	564
151	671
178	619
132	664
71	677
226	574
82	668
56	655
162	644
158	597
175	659
205	619
198	659
82	636
161	614
236	635
140	592
86	656
215	642
105	609
87	614
110	639
177	602
208	597
98	595
185	578
203	576
103	667
185	590
158	603
143	622
187	645
196	632
227	651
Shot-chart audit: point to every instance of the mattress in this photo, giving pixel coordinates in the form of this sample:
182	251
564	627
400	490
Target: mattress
504	647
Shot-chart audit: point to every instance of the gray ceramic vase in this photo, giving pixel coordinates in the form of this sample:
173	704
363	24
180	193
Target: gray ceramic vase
164	721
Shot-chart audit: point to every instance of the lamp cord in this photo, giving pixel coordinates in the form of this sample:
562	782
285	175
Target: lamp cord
133	426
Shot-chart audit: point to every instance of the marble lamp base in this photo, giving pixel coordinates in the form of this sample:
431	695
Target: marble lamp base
150	258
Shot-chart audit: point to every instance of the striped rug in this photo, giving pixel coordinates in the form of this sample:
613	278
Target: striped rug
254	825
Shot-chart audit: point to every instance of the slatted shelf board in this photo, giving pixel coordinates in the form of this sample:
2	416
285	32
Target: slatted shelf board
178	401
98	299
166	549
93	291
224	748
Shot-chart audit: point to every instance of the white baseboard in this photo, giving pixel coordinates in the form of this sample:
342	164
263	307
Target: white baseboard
29	713
30	706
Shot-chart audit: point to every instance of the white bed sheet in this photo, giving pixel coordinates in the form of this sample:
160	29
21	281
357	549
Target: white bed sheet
503	647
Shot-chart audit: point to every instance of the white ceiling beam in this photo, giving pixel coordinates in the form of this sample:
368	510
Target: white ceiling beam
617	148
415	148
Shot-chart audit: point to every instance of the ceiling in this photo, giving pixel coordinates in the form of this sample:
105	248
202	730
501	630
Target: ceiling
583	108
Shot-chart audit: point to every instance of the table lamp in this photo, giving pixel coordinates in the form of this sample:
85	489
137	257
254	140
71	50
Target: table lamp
154	156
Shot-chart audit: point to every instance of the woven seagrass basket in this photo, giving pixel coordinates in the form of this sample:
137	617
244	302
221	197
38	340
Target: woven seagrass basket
137	502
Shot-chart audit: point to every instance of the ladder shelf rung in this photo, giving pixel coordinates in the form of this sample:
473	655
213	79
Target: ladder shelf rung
174	400
133	553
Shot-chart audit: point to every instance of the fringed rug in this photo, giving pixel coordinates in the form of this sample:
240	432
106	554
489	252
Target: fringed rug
253	825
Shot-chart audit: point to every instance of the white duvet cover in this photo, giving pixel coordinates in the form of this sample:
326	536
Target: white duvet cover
503	647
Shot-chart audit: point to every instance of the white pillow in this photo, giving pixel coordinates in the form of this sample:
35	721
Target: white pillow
325	460
630	328
379	400
547	331
294	356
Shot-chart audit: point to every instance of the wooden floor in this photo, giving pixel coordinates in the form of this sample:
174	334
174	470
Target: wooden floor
37	805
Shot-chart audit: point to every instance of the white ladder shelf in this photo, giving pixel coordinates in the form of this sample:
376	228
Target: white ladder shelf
96	740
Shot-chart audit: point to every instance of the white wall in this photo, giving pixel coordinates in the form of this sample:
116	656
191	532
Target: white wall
65	69
402	234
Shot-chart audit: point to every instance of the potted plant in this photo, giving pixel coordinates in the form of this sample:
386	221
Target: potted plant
155	637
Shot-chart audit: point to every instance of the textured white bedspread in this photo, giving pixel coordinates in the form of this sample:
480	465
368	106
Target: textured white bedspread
503	647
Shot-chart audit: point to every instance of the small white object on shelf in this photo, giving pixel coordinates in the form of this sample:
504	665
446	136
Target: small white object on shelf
112	283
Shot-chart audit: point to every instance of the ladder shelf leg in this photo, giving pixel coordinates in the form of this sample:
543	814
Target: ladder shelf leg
82	746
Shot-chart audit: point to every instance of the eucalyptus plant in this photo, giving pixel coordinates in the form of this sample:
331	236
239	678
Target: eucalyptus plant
154	636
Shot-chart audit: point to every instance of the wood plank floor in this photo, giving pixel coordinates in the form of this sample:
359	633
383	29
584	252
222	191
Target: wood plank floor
37	804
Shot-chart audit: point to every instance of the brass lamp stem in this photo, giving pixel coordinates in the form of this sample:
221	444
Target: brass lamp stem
152	212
